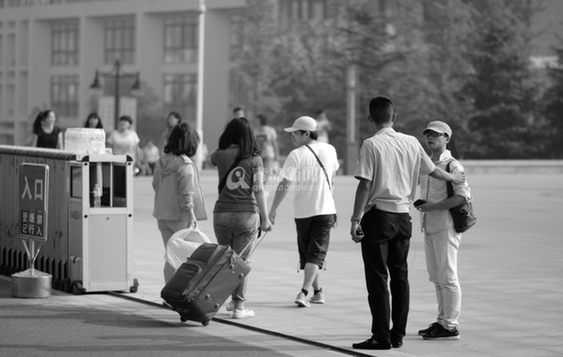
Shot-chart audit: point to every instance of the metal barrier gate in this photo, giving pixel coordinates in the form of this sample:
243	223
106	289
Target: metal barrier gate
88	248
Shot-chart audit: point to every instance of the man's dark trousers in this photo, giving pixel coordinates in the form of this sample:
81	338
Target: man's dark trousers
385	248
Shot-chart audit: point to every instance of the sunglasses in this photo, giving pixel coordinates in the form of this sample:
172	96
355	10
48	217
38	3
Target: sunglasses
432	134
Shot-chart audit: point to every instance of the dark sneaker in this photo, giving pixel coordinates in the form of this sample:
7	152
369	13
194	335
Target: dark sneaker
371	344
442	334
397	343
430	328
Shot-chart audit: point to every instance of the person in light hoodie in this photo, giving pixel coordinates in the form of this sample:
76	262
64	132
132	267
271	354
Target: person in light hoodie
178	199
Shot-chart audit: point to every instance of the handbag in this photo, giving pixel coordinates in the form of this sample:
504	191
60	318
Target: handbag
182	244
462	215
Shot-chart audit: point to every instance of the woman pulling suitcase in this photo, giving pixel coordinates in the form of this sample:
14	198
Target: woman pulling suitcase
240	210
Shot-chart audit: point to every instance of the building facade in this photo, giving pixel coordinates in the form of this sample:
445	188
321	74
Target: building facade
50	51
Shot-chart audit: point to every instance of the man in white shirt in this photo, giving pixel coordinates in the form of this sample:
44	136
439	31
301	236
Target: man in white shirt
389	167
309	170
441	241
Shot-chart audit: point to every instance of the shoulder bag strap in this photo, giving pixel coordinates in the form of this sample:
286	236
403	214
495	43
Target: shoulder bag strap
224	180
320	163
449	185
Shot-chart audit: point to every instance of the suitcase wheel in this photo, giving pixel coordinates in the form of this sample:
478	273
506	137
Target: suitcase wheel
135	287
205	323
67	286
77	288
183	319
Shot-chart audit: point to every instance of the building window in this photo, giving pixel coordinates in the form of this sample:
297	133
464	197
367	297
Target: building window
291	10
120	40
65	43
180	95
64	95
180	39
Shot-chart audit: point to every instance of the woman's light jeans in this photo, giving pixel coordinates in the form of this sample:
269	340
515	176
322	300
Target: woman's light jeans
236	229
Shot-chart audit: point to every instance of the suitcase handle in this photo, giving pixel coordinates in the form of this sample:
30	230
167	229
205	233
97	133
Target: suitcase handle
255	238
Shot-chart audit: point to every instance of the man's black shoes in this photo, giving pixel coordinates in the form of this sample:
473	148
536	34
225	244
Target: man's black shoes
432	327
442	334
371	344
397	344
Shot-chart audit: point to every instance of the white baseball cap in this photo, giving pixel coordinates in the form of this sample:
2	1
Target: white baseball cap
303	123
439	127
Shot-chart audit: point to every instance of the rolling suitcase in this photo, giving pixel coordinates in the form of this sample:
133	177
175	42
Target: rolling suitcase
201	285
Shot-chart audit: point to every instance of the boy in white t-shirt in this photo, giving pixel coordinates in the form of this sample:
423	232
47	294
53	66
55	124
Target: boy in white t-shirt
309	170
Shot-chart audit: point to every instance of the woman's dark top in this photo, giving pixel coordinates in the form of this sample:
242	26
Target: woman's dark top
45	140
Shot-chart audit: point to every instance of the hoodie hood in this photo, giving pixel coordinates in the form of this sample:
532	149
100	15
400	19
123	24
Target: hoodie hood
168	164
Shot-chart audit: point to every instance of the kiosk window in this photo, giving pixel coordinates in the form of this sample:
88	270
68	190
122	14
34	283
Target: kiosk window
76	182
119	186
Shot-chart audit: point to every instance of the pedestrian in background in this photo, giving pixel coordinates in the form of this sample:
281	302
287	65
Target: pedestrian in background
124	140
441	241
268	140
151	155
389	167
309	170
240	210
178	198
94	122
45	133
323	126
238	112
173	119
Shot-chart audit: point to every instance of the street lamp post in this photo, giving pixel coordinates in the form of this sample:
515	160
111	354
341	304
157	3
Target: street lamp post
351	127
200	82
117	73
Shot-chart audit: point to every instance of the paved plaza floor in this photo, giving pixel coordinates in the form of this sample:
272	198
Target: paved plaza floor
510	268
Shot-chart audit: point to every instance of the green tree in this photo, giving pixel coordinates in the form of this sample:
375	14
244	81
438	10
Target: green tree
501	85
286	71
553	108
465	62
252	59
371	44
446	27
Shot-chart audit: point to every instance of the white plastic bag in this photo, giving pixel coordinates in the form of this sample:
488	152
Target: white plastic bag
182	244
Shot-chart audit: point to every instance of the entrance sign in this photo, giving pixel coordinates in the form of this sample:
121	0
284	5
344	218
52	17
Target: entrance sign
34	199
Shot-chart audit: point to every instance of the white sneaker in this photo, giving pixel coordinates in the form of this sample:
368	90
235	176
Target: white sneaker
231	306
242	314
301	300
318	298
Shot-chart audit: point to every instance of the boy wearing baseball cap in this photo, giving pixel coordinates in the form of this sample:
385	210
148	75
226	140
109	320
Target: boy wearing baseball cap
309	170
441	241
